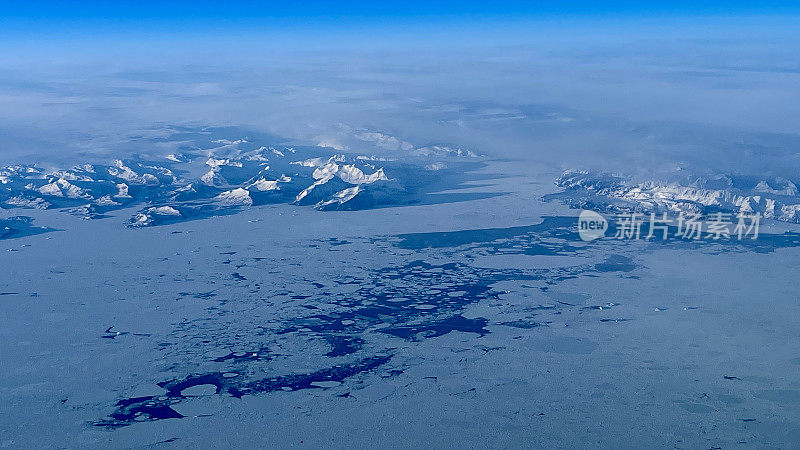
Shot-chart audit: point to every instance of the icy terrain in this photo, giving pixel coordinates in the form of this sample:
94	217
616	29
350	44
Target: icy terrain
302	296
777	198
220	176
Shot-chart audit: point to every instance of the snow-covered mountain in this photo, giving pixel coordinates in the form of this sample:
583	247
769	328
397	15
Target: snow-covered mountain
775	198
220	176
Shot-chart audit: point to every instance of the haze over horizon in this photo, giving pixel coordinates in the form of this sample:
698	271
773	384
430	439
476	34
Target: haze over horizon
626	83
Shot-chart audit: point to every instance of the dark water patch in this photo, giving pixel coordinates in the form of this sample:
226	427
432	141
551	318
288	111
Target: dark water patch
439	328
412	299
551	227
295	382
176	388
343	345
139	409
558	235
150	408
415	301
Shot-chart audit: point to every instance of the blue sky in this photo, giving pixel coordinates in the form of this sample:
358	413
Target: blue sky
55	14
346	23
347	8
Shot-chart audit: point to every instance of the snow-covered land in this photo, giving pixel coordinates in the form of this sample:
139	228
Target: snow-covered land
775	198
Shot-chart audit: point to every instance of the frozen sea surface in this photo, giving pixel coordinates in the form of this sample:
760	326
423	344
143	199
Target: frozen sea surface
445	307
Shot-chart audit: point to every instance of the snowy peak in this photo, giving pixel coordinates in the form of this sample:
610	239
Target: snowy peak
222	175
353	175
774	199
235	197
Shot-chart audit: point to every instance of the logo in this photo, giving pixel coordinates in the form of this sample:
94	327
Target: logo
591	225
